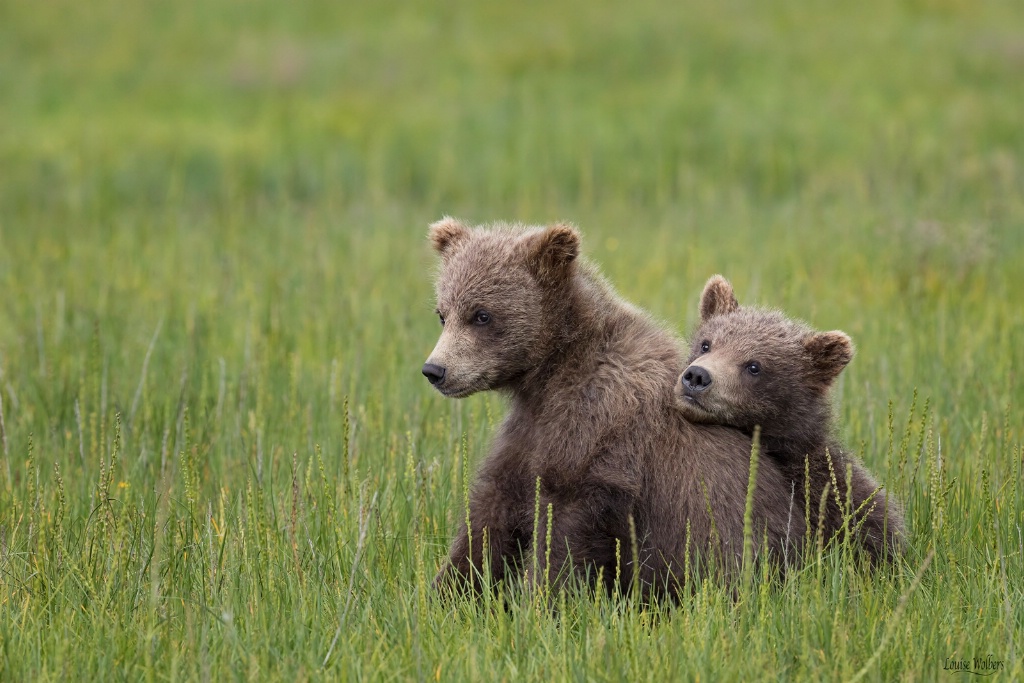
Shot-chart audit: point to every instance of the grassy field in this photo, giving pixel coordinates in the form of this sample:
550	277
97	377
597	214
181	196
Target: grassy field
219	459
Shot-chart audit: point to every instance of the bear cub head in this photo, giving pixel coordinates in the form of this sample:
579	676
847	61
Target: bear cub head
502	300
756	367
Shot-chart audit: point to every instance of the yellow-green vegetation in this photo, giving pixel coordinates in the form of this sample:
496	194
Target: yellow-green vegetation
219	460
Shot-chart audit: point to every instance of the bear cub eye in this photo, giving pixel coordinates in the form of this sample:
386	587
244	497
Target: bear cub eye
481	318
754	368
440	317
705	346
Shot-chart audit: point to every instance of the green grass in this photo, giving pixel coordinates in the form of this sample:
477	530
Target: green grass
219	458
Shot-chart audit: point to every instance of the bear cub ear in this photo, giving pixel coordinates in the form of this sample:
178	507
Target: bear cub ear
446	233
717	299
830	352
553	251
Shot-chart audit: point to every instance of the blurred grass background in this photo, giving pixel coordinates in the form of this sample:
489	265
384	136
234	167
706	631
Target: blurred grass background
212	253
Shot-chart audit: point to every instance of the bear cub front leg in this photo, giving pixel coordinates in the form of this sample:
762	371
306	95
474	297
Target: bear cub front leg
495	517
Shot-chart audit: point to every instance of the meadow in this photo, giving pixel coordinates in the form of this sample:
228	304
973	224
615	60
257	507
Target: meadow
219	458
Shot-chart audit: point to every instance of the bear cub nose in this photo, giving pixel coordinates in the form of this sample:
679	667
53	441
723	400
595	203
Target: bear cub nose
695	378
433	373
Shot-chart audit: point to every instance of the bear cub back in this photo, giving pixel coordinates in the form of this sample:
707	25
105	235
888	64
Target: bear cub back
756	368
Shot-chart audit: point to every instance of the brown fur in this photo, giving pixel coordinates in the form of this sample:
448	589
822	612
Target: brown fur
592	413
788	397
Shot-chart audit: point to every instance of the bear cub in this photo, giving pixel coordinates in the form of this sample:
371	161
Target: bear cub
755	367
592	456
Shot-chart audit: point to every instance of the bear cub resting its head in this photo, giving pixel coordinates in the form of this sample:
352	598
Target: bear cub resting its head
755	367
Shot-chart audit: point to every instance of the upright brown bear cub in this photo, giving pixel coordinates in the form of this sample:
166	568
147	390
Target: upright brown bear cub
755	367
590	381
